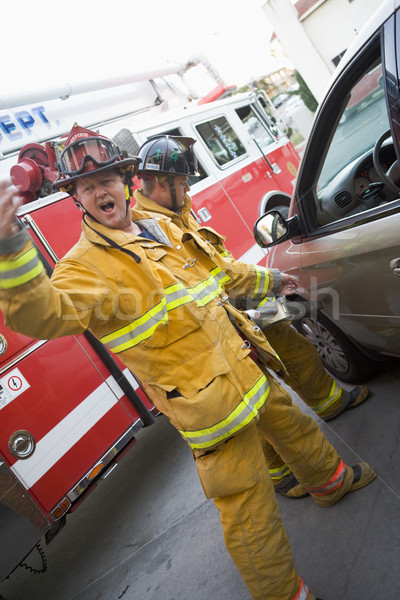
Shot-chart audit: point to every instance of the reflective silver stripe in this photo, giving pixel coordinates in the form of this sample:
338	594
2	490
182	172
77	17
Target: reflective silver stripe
175	295
262	281
241	416
137	330
303	591
209	289
20	270
142	328
334	395
332	484
266	300
279	472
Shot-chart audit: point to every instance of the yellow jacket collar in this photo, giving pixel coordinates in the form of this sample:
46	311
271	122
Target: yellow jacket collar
145	204
94	231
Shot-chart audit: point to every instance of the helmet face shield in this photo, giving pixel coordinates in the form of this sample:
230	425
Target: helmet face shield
86	154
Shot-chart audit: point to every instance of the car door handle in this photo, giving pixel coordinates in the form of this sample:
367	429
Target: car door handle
395	266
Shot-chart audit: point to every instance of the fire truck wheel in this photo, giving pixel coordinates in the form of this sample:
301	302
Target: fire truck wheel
339	355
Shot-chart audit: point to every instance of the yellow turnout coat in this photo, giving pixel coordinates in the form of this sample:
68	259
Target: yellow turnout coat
161	307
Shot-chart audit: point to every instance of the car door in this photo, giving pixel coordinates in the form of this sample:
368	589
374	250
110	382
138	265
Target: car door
349	203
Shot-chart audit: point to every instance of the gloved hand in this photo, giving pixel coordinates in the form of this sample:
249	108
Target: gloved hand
289	284
9	203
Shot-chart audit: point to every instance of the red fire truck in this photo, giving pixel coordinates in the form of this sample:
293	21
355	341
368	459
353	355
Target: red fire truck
68	410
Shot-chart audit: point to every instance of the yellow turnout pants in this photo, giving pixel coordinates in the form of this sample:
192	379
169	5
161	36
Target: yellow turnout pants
305	372
236	477
306	376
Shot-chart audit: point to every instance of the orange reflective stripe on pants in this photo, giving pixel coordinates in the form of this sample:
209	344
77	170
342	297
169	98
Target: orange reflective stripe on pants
333	484
302	592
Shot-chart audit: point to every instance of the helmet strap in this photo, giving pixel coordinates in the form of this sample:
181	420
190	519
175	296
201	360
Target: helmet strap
127	197
85	212
171	183
110	241
78	204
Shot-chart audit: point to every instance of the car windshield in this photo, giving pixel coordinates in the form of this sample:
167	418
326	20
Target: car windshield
363	120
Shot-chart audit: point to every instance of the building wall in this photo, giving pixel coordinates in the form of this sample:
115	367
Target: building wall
317	33
333	25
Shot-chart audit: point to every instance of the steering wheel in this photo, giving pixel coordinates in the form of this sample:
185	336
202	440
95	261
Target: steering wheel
393	173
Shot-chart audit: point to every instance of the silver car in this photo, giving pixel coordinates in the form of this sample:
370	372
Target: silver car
340	231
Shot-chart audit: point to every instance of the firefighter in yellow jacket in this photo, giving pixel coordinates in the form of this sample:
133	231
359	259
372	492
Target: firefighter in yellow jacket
154	295
165	191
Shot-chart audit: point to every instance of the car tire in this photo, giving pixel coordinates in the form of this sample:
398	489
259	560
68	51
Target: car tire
340	357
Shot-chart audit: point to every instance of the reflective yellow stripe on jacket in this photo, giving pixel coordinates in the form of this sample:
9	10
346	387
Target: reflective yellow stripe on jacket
262	281
210	288
20	270
175	295
265	300
241	416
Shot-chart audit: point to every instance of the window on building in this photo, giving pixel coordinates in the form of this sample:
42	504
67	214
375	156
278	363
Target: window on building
336	59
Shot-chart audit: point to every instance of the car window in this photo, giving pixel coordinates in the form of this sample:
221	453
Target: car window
360	125
348	182
221	140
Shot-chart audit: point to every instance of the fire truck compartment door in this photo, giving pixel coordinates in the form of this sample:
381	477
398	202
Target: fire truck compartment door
10	342
71	408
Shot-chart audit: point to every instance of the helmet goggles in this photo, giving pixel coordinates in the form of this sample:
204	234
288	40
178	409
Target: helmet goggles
86	152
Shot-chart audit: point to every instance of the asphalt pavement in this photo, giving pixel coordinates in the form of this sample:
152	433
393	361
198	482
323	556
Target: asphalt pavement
148	533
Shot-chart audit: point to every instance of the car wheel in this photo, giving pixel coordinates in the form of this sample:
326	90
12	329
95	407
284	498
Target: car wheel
339	355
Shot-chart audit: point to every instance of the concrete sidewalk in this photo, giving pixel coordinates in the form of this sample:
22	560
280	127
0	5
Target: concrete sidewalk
148	533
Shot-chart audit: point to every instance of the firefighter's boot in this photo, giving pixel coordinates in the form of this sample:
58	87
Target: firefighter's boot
349	399
356	477
289	486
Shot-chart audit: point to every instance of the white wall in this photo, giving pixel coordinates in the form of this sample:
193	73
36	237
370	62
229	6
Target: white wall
312	43
296	44
335	23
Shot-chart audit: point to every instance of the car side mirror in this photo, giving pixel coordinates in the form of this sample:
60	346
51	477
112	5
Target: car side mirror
272	228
